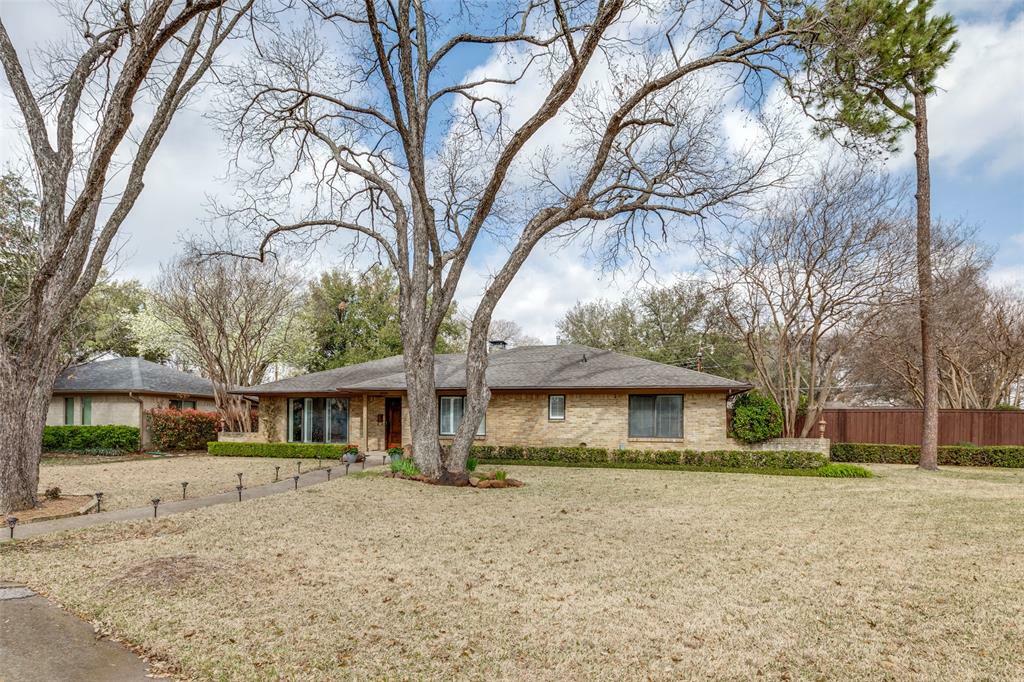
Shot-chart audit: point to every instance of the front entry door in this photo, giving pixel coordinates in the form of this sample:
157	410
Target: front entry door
393	422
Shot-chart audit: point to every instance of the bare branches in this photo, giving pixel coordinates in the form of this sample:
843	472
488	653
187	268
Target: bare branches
591	117
234	316
801	282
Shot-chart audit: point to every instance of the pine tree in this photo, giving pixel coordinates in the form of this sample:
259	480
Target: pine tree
871	72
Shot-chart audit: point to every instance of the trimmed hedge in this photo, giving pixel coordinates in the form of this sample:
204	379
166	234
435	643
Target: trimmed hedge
1010	456
827	471
756	418
113	437
182	429
283	450
753	459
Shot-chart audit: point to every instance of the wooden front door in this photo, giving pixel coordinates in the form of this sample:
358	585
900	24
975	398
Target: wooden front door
393	422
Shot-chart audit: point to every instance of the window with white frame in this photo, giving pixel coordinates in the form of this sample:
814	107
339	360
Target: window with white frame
556	408
655	416
450	411
318	420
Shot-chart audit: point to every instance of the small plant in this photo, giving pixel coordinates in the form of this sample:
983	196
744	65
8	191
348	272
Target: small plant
843	471
52	493
405	467
471	464
500	475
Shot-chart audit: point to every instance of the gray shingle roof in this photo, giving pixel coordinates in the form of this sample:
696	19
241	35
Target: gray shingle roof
121	375
566	366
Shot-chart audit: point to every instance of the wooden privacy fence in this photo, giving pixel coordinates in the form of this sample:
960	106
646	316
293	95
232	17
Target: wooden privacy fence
902	426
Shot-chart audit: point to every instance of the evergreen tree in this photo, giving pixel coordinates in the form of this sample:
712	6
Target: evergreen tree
872	69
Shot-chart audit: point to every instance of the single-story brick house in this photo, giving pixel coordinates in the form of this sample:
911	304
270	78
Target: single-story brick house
541	396
122	390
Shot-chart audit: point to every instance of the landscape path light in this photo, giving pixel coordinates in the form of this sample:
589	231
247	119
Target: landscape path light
156	503
296	480
277	473
328	473
239	474
239	488
298	467
12	521
184	485
99	499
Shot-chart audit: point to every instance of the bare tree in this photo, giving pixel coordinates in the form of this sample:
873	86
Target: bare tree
511	333
234	316
89	161
979	338
801	281
361	113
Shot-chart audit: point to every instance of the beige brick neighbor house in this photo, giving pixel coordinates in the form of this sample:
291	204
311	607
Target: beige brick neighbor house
121	391
541	396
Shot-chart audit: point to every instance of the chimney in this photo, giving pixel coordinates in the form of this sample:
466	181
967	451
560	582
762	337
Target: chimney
494	345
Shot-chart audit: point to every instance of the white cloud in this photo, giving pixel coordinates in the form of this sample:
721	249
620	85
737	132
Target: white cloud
555	278
978	114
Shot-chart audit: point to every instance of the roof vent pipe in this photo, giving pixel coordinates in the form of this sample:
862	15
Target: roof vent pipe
495	345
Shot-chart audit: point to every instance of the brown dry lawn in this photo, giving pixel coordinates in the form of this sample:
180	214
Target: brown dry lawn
582	574
134	483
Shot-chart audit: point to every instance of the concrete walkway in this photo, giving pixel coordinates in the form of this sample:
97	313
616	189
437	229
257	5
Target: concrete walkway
28	530
41	643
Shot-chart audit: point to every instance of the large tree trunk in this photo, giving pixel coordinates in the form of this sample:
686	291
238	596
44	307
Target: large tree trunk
25	391
929	360
422	396
478	395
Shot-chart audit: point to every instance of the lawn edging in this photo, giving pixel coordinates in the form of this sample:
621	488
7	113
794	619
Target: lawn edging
1006	456
825	471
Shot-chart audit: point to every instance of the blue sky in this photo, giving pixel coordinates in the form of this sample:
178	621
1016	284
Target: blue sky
977	137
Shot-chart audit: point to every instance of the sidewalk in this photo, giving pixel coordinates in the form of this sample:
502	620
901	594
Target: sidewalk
169	507
41	643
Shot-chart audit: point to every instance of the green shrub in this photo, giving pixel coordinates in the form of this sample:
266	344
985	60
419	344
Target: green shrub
778	459
182	429
1010	456
471	463
284	450
843	471
500	475
405	467
756	418
96	439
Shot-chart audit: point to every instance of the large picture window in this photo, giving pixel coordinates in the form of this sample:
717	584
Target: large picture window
655	416
451	409
69	411
318	420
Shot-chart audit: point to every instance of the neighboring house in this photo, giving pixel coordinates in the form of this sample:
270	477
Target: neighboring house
540	396
122	390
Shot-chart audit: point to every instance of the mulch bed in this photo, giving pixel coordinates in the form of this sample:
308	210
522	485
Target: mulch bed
47	509
477	480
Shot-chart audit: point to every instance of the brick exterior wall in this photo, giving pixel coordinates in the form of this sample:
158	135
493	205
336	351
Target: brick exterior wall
600	420
597	419
374	416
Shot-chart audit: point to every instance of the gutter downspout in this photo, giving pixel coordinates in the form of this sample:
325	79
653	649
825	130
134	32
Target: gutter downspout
142	420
